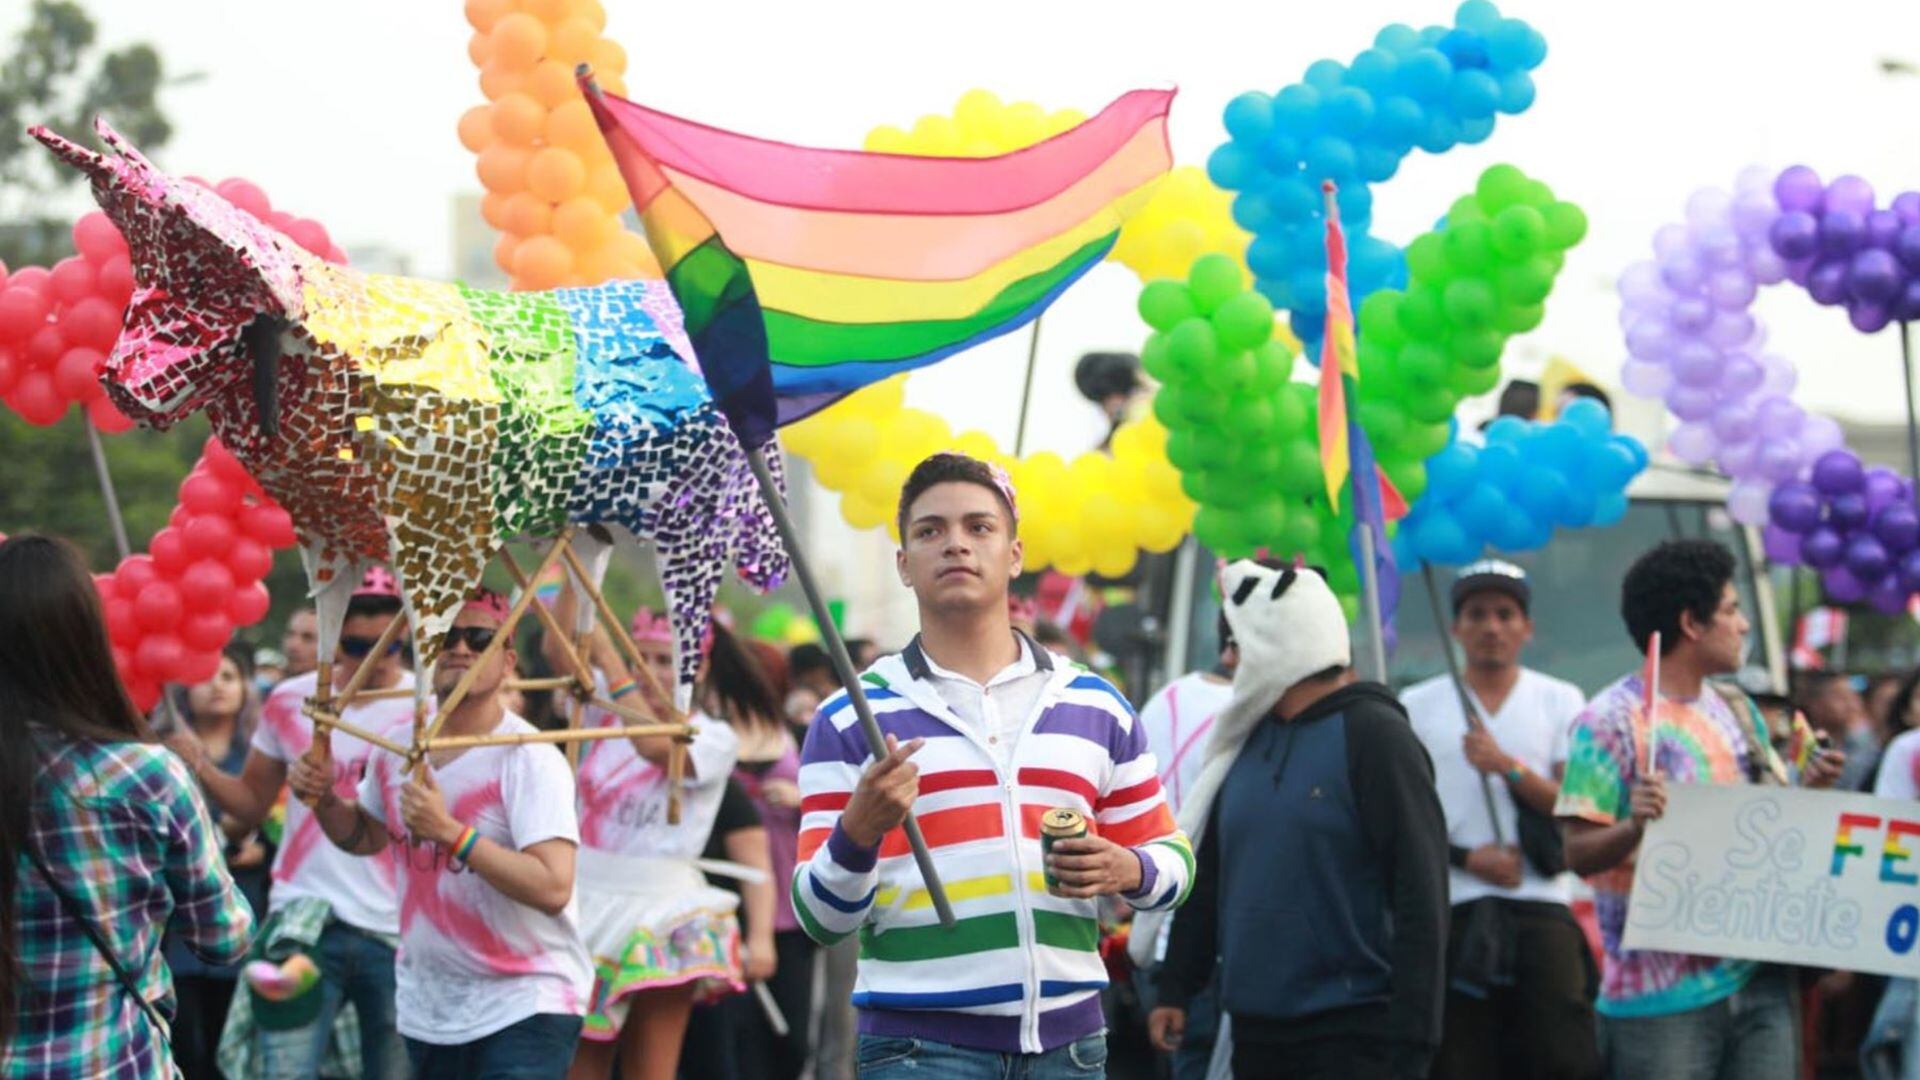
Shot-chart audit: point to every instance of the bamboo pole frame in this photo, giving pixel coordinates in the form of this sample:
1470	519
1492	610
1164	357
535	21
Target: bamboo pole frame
556	682
354	730
571	736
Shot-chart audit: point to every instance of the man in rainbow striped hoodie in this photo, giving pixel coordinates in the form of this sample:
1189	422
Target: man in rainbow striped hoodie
986	732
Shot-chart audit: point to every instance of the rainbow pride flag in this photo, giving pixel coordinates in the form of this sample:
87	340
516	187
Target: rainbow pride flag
806	274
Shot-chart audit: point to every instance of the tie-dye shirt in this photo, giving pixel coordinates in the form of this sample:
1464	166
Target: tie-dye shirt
623	796
1697	741
472	961
359	889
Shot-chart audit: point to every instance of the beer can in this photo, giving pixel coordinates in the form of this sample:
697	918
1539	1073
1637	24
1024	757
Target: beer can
1059	823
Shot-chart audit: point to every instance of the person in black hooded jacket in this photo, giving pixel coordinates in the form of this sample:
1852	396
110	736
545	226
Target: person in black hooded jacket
1321	885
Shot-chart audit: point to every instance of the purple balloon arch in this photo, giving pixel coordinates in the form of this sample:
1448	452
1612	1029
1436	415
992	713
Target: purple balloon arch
1694	342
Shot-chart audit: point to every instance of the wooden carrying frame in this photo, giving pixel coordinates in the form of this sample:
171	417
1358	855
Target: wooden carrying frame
326	707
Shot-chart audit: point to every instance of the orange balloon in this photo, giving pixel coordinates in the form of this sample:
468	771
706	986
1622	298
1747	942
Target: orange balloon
600	265
572	41
528	214
594	13
503	251
497	80
503	168
483	15
476	128
518	119
556	174
633	248
551	83
607	187
493	208
479	49
571	125
541	262
519	40
548	11
614	84
608	59
581	224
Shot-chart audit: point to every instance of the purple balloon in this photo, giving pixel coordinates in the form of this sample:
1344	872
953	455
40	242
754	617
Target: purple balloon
1778	417
1779	458
1690	314
1842	586
1827	281
1696	364
1838	472
1906	247
1888	596
1906	307
1733	422
1848	511
1690	402
1822	547
1740	375
1799	188
1883	228
1794	507
1795	235
1910	571
1842	232
1907	205
1849	194
1898	527
1782	546
1883	486
1869	318
1731	290
1874	276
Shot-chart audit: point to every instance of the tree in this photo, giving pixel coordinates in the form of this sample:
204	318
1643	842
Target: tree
57	76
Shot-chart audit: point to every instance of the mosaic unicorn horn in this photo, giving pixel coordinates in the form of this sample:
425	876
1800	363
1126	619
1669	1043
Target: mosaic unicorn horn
423	424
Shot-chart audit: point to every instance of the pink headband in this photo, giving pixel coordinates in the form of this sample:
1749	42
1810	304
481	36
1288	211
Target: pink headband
650	626
1004	482
378	581
487	602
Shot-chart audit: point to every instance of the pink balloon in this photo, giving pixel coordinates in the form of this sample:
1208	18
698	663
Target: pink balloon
159	606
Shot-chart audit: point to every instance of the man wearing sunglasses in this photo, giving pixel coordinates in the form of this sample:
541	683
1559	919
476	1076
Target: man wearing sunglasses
493	979
313	882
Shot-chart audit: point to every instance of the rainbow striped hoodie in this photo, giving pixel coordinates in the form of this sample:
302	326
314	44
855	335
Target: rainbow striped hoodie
1020	972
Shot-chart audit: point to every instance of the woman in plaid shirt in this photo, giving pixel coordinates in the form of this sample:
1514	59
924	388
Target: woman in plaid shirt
117	822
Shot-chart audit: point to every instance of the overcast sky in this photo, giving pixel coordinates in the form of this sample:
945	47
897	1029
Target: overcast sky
345	111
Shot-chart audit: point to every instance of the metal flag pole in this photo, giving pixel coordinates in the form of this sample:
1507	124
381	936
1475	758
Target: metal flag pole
1913	423
1370	586
107	493
843	667
1026	395
1467	705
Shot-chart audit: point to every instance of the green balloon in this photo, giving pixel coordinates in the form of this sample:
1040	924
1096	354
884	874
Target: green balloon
1289	414
1341	576
1231	373
1423	440
1192	345
1519	320
1518	232
1566	224
1477	348
1378	320
1469	248
1469	304
1302	532
1266	520
1243	321
1156	358
1420	313
1183	450
1250	418
1472	381
1409	478
1214	279
1422	363
1165	303
1464	209
1431	404
1168	408
1259	463
1202	406
1299	472
1215	526
1273	367
1214	449
1524	283
1426	261
1502	186
1383	421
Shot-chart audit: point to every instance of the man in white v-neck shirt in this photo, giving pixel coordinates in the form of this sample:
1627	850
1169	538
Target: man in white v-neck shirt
1520	986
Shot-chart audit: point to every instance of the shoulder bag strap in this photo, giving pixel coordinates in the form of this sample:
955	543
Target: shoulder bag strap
78	914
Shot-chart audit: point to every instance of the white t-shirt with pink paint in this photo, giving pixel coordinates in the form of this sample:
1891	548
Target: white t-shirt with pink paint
473	961
359	889
1177	721
623	796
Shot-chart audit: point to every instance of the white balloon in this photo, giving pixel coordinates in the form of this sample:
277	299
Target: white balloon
1693	443
1747	502
1646	380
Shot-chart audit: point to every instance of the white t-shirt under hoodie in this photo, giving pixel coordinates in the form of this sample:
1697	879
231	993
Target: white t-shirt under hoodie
360	889
472	961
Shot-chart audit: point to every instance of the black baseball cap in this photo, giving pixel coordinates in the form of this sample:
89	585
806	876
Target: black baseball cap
1495	575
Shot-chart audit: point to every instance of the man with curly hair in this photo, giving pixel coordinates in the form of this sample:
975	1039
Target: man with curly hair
1668	1014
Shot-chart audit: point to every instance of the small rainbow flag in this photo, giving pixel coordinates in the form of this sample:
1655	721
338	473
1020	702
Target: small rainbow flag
806	274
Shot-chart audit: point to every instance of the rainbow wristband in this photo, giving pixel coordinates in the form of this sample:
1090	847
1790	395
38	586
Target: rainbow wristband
464	846
621	689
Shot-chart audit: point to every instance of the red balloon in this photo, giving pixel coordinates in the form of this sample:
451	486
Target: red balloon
102	583
197	666
205	493
122	661
169	552
23	310
221	462
158	607
249	560
134	574
115	280
32	277
268	524
122	627
97	238
249	605
208	536
94	322
36	400
46	347
207	586
311	235
144	693
77	376
158	657
207	630
107	418
73	279
10	368
246	195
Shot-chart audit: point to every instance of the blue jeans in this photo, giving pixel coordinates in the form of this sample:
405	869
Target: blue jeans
883	1056
1203	1028
1748	1036
537	1048
355	968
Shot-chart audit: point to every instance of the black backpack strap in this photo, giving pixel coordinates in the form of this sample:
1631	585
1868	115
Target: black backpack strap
78	914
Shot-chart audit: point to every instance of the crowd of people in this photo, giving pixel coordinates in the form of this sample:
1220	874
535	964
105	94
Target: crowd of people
1279	870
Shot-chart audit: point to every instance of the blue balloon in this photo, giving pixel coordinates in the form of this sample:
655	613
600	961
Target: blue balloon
1516	92
1249	117
1230	166
1588	417
1501	464
1451	471
1506	429
1540	491
1609	509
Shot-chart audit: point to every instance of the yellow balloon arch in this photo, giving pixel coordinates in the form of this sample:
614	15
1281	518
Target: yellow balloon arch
1097	512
